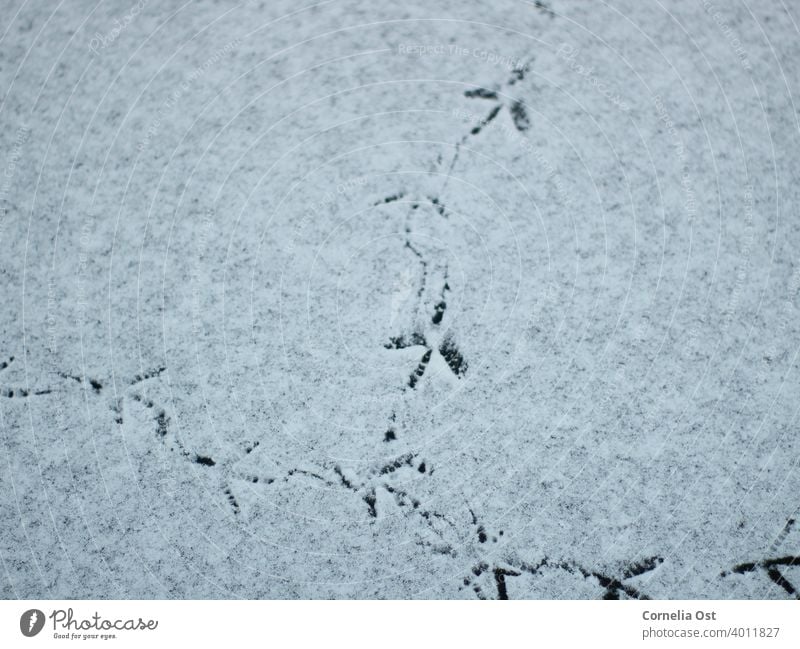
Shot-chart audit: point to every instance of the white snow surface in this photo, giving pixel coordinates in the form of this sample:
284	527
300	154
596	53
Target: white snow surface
399	300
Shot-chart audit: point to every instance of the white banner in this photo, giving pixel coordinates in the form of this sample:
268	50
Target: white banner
405	624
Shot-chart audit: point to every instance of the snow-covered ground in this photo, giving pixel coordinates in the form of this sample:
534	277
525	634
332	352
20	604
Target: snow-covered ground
399	300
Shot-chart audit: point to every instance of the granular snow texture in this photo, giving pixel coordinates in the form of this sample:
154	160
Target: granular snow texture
400	300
